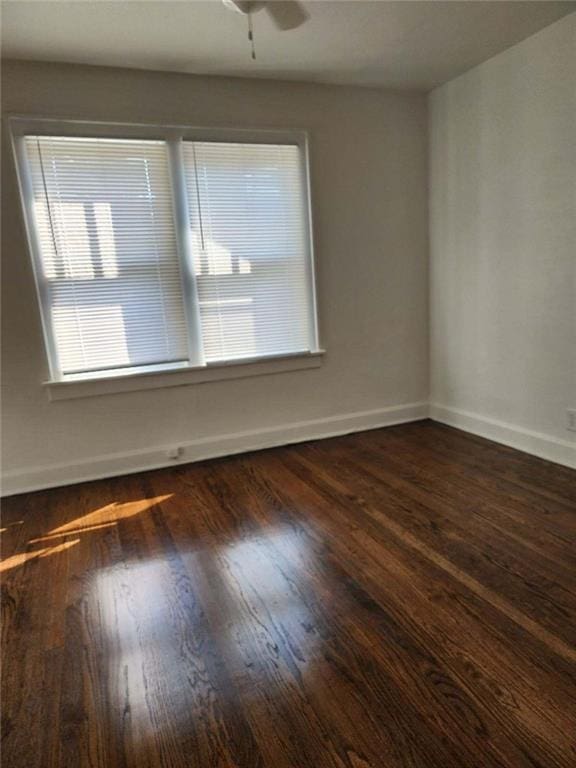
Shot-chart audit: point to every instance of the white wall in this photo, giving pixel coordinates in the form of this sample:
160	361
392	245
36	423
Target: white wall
503	244
369	170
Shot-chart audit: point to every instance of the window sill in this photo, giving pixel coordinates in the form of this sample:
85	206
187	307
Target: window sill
74	388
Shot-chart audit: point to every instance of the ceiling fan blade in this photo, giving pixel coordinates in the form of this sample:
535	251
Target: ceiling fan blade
287	14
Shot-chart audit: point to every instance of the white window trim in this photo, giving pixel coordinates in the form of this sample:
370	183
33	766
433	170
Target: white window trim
151	377
161	377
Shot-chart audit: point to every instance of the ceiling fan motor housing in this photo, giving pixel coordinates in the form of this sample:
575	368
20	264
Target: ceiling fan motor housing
244	6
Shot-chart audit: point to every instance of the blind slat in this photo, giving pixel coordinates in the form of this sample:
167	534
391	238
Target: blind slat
250	248
103	211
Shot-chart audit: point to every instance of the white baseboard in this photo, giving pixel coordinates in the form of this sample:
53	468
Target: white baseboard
111	465
536	443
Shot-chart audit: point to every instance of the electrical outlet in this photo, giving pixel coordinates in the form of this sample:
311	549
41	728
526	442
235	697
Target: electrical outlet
571	419
174	453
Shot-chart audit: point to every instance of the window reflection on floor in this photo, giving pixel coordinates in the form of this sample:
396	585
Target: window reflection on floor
162	618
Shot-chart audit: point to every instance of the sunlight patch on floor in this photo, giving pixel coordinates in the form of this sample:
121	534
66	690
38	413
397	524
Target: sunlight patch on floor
17	560
109	514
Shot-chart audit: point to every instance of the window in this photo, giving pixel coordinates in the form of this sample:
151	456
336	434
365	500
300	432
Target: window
162	252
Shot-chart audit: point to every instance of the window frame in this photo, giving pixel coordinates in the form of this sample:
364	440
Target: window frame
22	126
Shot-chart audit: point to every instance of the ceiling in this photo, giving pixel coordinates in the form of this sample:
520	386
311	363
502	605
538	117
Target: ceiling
407	44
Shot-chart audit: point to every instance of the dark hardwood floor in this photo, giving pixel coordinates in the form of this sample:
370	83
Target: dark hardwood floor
401	597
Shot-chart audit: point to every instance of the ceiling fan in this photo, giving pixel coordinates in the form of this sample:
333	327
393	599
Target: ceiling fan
286	14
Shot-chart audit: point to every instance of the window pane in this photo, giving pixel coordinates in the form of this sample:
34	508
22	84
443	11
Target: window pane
103	211
250	241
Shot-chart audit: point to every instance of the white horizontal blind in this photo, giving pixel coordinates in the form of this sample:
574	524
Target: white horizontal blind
109	263
250	240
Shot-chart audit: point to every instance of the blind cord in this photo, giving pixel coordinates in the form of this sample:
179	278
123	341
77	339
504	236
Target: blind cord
46	195
198	197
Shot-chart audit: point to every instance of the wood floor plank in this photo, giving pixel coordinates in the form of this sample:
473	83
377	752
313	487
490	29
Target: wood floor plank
400	597
288	638
406	582
408	664
427	509
530	473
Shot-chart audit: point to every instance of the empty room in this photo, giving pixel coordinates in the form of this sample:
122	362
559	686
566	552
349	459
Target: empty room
288	384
